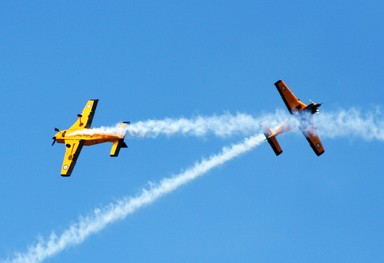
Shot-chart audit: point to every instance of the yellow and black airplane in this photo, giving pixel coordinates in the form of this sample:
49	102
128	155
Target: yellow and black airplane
78	135
304	114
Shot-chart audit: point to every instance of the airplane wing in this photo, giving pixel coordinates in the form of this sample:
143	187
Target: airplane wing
86	117
290	100
313	139
72	152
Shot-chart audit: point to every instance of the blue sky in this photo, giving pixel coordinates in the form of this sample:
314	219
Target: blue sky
157	59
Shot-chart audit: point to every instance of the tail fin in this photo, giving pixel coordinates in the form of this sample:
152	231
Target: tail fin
122	130
117	145
271	138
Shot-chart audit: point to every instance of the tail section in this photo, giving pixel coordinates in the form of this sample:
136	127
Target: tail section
117	145
271	138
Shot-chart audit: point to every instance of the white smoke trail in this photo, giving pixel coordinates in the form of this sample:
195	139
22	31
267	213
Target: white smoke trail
344	122
351	122
224	125
102	217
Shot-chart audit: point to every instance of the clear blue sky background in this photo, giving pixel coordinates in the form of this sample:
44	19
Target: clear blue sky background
156	59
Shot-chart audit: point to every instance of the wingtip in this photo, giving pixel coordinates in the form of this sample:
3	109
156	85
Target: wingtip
320	153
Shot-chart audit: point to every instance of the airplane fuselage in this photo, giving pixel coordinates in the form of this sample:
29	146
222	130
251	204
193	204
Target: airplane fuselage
303	116
88	138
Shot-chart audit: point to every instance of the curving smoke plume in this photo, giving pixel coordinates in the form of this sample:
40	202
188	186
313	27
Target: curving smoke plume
102	217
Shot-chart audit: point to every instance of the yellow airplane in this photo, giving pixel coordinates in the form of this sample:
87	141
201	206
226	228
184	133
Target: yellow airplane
79	135
304	114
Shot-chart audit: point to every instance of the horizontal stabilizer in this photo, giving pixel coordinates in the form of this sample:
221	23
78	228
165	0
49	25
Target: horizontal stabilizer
116	146
271	138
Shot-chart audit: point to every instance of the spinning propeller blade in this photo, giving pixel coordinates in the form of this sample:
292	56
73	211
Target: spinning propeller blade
54	137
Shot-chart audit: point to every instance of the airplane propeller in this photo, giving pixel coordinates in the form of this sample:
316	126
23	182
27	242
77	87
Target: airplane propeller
317	108
54	137
318	111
